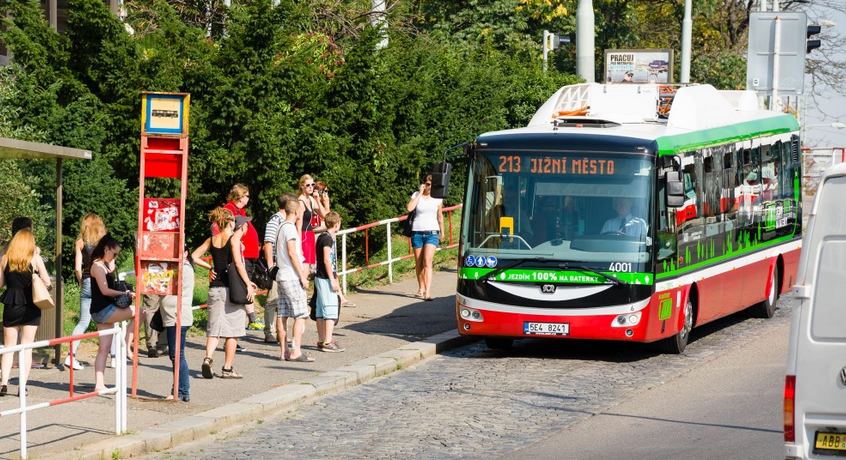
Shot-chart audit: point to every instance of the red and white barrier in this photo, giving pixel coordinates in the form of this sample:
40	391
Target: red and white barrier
119	388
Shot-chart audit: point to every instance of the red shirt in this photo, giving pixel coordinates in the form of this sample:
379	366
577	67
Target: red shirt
250	240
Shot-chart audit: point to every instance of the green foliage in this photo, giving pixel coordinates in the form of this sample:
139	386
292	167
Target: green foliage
279	94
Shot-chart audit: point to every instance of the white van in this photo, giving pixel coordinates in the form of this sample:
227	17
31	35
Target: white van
815	387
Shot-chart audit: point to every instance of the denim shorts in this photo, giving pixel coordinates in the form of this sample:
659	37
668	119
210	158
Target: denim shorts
102	316
418	239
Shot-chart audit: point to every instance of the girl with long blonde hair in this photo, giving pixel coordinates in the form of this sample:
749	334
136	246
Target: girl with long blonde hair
20	314
91	231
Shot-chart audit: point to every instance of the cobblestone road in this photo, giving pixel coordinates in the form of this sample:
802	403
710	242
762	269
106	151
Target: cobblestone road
473	402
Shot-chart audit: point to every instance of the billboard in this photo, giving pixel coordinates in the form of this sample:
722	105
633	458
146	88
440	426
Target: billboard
639	66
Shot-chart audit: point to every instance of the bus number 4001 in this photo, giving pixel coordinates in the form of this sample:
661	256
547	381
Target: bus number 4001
620	267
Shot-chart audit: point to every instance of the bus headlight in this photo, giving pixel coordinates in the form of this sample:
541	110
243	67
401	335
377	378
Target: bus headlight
470	314
627	320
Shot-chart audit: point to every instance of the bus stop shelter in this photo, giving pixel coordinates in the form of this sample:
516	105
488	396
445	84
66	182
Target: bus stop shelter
52	320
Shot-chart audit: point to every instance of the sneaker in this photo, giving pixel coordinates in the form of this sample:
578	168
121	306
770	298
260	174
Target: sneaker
240	349
320	346
258	325
332	347
77	366
152	352
270	339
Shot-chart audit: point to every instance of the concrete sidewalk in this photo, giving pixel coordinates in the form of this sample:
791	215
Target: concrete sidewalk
388	329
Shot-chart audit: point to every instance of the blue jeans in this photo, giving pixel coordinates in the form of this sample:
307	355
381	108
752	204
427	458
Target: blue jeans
184	384
84	312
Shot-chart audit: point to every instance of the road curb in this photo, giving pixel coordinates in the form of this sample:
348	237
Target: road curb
198	426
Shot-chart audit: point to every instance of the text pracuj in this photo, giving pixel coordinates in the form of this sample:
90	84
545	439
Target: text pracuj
555	165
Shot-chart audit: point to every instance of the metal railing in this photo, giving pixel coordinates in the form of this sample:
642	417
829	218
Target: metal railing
344	271
119	389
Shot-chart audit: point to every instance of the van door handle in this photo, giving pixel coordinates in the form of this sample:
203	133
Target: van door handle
802	291
843	376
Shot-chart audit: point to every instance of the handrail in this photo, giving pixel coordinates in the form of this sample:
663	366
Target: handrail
343	271
119	388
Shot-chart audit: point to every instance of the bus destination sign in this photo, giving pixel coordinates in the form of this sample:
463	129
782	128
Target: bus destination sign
555	165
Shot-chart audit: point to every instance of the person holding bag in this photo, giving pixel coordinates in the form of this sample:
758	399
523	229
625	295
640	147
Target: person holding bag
20	314
105	301
226	319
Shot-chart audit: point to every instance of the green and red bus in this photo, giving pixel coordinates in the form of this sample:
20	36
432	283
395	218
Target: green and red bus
629	213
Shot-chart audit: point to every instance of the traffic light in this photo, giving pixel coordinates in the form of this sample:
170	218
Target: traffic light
811	45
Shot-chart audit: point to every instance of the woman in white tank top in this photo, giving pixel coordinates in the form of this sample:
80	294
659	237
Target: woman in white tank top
426	232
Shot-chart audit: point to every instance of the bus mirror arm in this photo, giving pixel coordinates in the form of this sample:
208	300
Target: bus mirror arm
440	171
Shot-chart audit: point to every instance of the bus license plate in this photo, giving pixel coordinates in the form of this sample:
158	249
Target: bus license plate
831	442
546	328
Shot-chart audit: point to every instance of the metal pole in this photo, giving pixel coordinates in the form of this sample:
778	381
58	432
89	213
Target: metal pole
59	285
776	53
585	58
344	261
390	256
378	22
545	48
22	396
687	27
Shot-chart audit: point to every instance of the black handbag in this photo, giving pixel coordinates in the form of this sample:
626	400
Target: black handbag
237	287
408	223
123	300
263	276
157	322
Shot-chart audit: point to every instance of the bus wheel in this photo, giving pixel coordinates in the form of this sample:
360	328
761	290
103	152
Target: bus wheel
767	308
498	343
676	344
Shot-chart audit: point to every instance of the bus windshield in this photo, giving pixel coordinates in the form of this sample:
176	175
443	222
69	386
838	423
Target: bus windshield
591	209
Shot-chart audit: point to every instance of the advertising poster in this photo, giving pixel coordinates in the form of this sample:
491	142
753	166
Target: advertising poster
638	66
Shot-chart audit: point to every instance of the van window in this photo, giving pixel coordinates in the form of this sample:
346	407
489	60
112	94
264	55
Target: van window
829	311
829	314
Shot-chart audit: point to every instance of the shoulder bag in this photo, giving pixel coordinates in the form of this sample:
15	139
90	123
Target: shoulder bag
40	294
237	287
407	224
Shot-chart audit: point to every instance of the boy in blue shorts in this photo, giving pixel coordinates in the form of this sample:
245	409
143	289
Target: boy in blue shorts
326	284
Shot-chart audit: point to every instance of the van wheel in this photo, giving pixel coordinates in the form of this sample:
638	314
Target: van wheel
676	344
767	308
498	343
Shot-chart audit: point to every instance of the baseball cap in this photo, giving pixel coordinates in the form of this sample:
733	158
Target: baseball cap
241	220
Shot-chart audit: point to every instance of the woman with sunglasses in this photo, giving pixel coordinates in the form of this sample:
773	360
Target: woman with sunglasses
104	312
312	209
426	232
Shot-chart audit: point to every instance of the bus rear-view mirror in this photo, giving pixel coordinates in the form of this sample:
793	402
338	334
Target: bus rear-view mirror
440	180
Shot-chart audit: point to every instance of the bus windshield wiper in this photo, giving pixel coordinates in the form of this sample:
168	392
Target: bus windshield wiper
611	278
499	270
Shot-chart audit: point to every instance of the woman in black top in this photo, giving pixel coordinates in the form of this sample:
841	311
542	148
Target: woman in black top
103	310
19	312
90	232
226	319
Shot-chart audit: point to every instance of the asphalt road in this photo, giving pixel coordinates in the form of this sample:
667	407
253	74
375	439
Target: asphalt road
472	402
729	408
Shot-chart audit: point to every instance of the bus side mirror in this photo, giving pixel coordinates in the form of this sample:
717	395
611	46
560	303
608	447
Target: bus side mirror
440	180
675	190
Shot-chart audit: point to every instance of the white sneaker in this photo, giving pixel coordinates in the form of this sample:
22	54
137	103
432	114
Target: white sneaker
76	364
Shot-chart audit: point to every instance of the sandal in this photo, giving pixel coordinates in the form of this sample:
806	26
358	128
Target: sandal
419	295
348	304
303	358
229	374
207	368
